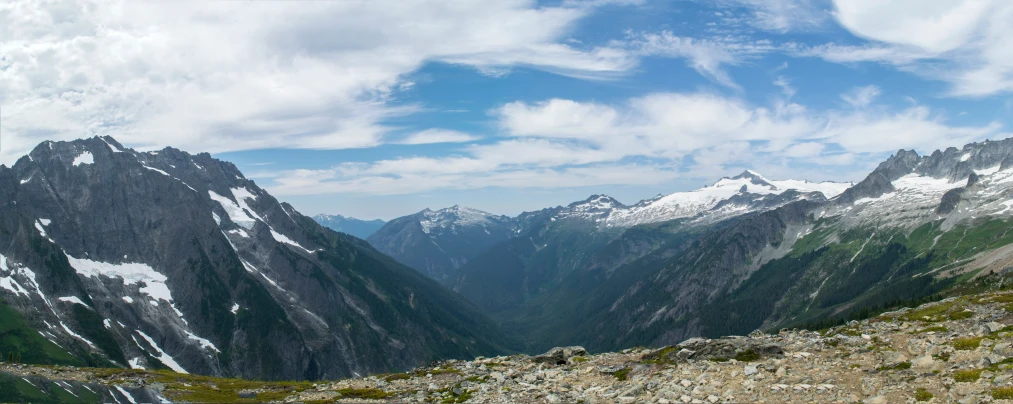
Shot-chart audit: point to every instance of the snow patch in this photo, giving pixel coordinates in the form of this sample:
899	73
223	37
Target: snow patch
41	229
204	343
965	157
107	323
45	222
988	171
75	335
84	158
162	356
7	282
128	299
157	170
72	299
240	232
136	363
235	308
244	218
281	238
126	394
131	273
113	148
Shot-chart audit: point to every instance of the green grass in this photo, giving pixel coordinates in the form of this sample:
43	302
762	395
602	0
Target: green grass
748	355
967	343
900	366
396	376
463	397
967	375
18	337
922	395
622	374
368	394
960	315
937	328
1003	393
206	389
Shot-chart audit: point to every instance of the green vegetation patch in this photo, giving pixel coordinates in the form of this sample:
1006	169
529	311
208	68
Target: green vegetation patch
1003	393
967	343
967	375
900	366
206	389
368	394
748	355
622	374
17	337
396	376
922	395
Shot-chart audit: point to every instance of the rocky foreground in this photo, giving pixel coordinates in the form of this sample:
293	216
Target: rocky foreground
956	350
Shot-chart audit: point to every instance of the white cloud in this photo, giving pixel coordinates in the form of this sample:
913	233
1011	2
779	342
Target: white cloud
652	140
223	76
912	128
963	42
707	56
430	136
861	97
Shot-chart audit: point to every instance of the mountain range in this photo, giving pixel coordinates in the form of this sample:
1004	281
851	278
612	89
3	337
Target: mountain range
167	260
163	259
745	253
350	225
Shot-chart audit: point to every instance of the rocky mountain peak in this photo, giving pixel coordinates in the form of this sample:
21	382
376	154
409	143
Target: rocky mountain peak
753	177
166	259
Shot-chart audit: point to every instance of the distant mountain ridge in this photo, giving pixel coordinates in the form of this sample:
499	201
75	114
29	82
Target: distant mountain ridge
748	252
439	242
356	227
112	257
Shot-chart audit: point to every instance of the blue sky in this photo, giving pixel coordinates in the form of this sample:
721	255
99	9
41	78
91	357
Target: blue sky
380	109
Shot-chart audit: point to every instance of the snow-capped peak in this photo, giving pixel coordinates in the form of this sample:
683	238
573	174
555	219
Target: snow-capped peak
689	204
454	216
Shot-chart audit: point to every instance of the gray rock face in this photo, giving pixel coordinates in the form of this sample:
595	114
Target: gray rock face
166	259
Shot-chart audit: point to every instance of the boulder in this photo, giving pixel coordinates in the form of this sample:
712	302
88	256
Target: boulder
560	355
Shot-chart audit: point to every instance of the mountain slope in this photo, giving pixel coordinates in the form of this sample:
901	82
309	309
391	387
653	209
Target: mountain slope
356	227
917	225
557	242
436	243
165	259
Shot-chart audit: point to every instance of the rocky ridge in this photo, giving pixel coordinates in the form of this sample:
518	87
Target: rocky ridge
956	350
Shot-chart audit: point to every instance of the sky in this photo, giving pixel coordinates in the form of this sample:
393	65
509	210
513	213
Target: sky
381	108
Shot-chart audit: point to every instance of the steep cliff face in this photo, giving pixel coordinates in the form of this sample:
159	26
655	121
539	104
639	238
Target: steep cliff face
166	259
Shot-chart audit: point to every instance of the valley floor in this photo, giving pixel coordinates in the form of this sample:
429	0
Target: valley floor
956	350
